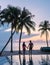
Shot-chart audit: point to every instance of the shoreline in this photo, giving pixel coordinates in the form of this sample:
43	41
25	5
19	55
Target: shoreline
34	52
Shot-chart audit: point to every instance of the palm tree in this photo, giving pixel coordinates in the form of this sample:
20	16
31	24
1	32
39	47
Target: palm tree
25	22
10	15
45	27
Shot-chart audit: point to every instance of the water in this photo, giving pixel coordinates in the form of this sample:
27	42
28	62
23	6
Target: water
27	60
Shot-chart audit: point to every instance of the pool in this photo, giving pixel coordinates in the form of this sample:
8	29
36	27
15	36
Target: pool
25	60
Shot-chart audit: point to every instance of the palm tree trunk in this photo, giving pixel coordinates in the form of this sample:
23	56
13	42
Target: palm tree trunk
11	39
20	40
46	38
7	43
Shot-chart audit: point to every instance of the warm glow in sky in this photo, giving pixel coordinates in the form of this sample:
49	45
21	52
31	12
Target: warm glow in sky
39	8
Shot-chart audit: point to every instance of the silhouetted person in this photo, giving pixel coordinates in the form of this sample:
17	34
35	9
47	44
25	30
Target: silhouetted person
24	47
30	47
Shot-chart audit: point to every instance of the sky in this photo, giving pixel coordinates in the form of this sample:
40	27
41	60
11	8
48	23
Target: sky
39	8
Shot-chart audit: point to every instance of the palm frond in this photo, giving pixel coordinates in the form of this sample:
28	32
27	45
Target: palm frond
42	33
28	29
41	29
44	26
31	26
48	29
25	13
41	24
25	20
10	15
32	23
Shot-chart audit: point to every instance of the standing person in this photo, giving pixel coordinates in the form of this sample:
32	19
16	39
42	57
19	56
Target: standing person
30	47
24	47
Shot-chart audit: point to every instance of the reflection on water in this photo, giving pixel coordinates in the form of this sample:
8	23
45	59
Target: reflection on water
30	60
45	60
25	60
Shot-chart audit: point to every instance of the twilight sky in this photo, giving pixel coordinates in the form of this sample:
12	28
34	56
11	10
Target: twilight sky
40	8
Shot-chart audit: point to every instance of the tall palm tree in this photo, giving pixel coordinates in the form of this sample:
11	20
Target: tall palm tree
10	15
25	22
44	28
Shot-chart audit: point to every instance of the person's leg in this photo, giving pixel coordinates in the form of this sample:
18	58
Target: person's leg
24	52
31	51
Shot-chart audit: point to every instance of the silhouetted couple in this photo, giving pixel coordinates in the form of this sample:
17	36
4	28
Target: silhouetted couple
30	46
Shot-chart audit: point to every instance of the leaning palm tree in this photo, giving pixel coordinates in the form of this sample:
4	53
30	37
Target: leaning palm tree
10	15
45	27
25	22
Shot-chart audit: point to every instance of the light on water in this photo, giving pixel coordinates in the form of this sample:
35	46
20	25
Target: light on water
25	60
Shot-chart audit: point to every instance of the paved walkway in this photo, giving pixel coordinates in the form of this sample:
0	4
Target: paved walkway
34	52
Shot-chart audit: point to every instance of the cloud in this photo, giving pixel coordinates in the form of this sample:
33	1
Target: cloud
1	28
31	35
25	37
7	30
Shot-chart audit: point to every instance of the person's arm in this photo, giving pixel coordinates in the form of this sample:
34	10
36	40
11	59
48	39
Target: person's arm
33	44
28	46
